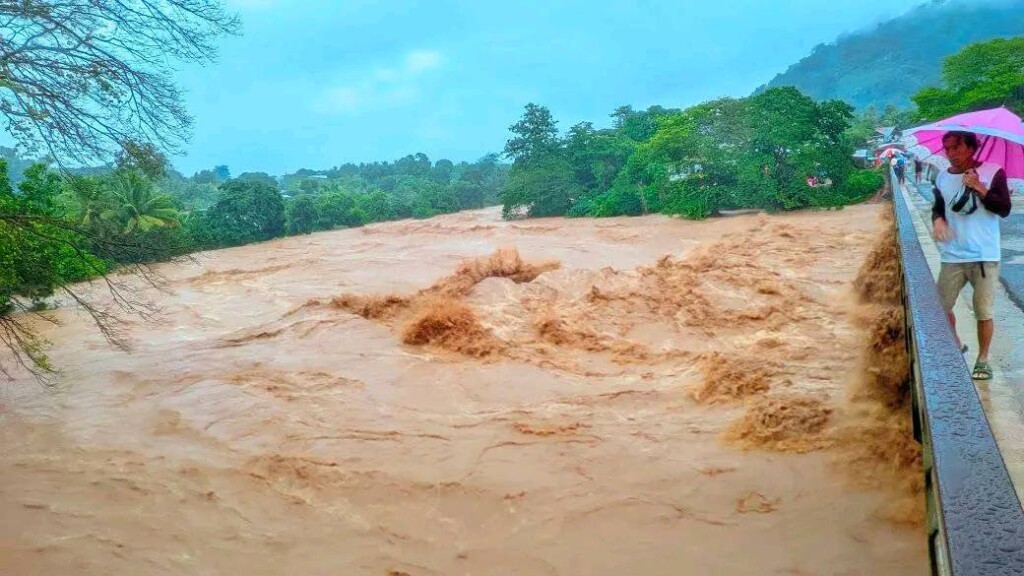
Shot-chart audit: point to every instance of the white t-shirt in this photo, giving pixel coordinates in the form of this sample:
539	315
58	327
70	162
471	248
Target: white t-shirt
976	235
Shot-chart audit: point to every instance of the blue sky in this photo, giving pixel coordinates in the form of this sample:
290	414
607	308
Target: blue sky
316	83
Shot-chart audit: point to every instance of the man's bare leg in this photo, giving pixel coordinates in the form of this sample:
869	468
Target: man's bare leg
986	329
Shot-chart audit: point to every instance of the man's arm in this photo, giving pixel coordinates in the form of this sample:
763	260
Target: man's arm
997	199
940	228
939	206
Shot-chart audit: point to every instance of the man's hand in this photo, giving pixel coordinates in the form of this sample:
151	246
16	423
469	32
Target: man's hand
941	230
971	180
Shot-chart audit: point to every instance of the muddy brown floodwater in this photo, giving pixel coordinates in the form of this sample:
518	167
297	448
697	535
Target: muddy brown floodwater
621	396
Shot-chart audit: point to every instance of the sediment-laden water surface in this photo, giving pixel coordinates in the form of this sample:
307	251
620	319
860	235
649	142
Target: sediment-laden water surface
464	395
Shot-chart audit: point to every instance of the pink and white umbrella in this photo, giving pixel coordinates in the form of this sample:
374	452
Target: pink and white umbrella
1000	140
889	148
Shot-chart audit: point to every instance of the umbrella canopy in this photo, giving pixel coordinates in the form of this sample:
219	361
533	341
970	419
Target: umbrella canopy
1000	140
890	146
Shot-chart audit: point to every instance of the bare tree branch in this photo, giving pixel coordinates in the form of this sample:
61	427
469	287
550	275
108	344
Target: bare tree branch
80	78
80	81
125	298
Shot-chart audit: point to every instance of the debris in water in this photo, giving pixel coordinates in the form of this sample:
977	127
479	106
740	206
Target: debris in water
758	503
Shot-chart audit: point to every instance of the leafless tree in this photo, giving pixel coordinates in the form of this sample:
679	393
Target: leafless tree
82	81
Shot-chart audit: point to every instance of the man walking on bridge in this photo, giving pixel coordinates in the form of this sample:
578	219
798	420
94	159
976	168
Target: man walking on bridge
970	198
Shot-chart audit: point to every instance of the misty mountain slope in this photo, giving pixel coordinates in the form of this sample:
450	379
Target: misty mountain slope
888	64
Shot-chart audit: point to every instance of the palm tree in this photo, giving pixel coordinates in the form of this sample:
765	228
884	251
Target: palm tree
139	206
86	200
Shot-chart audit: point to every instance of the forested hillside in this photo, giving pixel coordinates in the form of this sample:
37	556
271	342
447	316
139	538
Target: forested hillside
888	64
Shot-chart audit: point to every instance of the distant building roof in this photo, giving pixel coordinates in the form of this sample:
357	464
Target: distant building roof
885	131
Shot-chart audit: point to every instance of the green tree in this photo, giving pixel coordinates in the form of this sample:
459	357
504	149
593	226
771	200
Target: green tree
376	206
197	231
420	207
246	212
259	177
898	117
983	75
311	186
443	171
790	137
417	165
541	186
692	165
487	176
639	126
206	177
533	136
301	214
863	125
734	153
541	179
87	200
138	206
468	194
338	208
596	156
859	186
39	253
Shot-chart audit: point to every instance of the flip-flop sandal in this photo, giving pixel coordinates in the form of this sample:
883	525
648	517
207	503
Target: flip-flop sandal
982	371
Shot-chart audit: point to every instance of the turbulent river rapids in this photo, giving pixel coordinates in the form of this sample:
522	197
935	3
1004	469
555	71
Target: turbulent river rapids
466	395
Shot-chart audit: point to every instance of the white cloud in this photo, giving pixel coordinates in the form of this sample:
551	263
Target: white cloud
344	99
380	87
420	60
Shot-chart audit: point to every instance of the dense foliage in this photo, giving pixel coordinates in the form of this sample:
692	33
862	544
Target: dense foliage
983	75
890	63
247	211
143	212
757	152
39	249
57	228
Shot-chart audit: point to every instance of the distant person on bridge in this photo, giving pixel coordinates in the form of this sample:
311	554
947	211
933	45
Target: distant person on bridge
970	198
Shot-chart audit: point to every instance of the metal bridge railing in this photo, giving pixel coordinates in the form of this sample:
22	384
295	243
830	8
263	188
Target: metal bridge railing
975	519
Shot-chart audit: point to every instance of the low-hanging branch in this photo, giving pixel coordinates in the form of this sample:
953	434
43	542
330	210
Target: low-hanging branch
81	82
